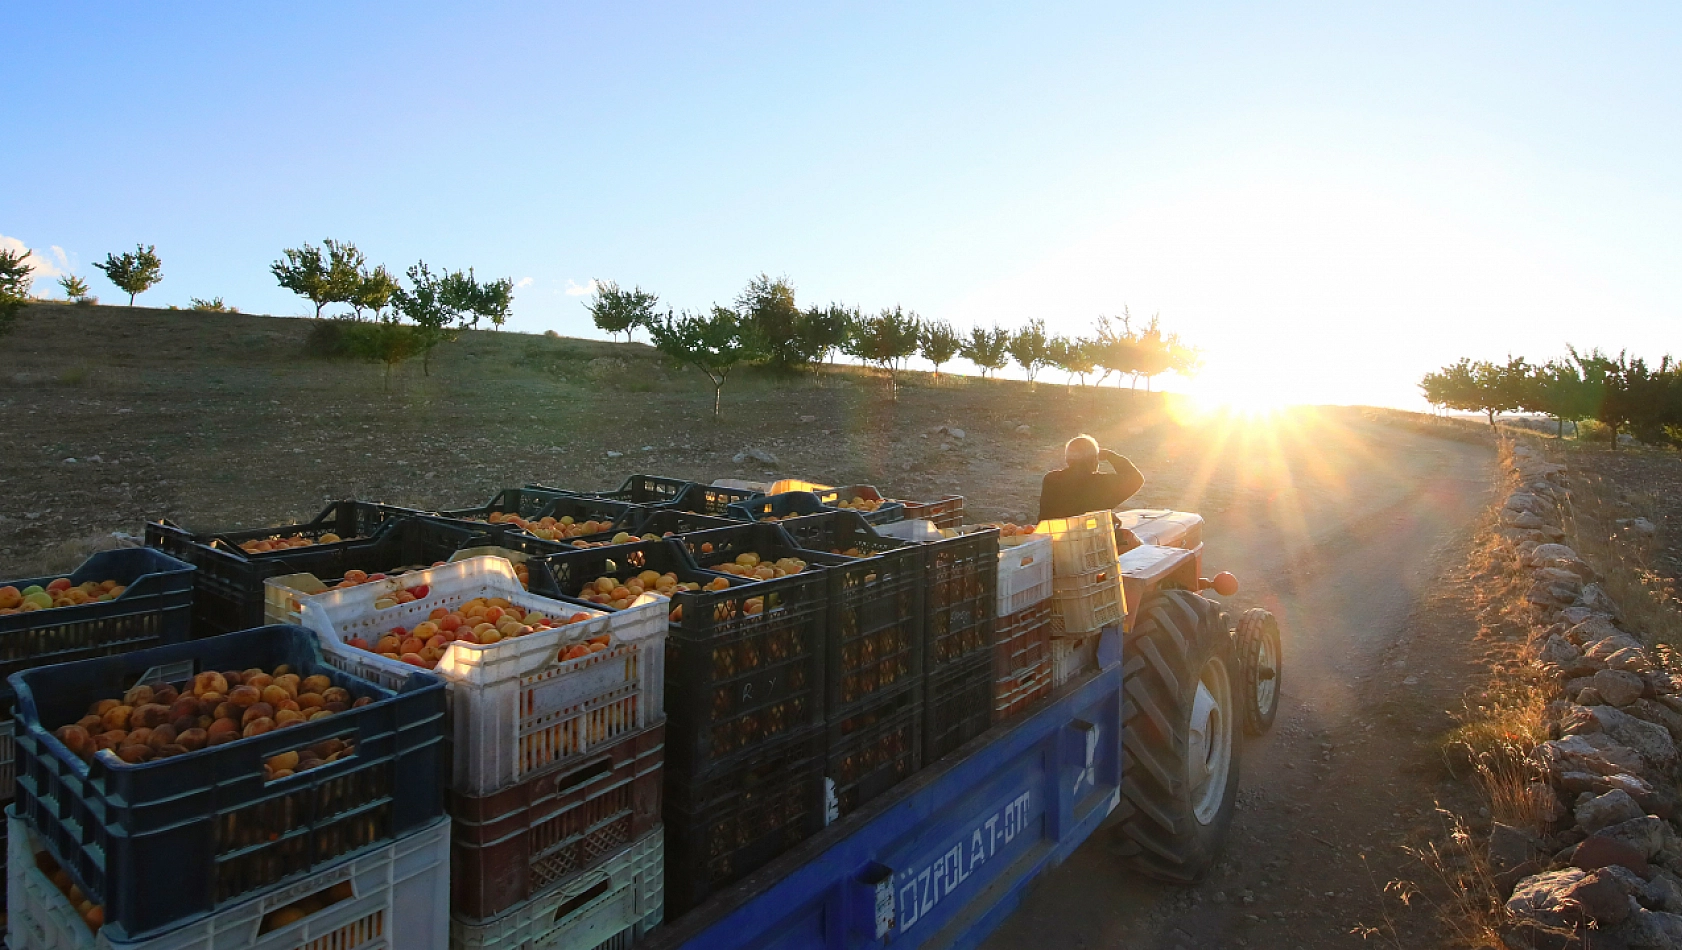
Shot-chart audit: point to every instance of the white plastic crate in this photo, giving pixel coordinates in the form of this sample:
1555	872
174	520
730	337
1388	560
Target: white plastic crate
400	899
1160	526
1070	657
516	707
284	595
1082	544
610	905
8	760
1088	603
1024	574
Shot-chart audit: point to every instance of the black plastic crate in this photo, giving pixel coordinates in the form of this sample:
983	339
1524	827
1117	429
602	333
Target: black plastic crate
172	838
644	490
887	512
962	599
714	500
569	571
947	512
874	748
528	503
534	505
788	504
228	585
958	703
659	522
155	609
723	824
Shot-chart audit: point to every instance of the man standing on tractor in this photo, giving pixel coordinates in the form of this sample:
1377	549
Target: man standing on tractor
1078	487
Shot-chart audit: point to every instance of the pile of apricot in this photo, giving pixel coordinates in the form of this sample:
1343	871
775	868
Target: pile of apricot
93	915
551	529
482	620
753	567
265	545
57	593
157	721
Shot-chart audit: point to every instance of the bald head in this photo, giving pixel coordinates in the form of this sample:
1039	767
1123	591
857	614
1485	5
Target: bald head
1081	454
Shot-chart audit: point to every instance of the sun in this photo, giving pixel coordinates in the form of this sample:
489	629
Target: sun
1245	402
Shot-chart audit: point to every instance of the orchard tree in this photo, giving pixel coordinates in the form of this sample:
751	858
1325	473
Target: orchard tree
495	301
1558	389
713	344
1029	347
618	311
134	273
75	288
213	305
15	278
346	269
887	340
303	271
988	349
1116	350
771	322
434	304
824	330
385	340
1072	356
1482	386
939	343
374	290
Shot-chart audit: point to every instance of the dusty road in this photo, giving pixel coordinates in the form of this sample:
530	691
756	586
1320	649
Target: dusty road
1357	549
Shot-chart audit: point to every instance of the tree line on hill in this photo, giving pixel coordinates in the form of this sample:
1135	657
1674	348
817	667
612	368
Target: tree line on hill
766	326
133	272
1623	393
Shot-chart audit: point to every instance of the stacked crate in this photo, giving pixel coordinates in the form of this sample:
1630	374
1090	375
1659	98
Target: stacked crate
1086	593
1022	661
555	788
205	848
154	608
745	689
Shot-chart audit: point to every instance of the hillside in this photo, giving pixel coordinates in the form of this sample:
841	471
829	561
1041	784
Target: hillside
222	420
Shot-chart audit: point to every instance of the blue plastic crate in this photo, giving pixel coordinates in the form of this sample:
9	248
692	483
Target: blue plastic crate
156	609
172	839
228	588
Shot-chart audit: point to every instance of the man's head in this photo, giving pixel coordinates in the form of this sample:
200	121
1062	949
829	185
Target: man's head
1081	454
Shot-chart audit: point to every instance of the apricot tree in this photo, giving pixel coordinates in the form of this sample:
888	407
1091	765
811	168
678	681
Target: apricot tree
134	273
939	343
1028	346
987	349
712	344
887	340
618	311
15	278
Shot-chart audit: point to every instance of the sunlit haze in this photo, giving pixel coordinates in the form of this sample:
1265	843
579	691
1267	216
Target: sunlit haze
1328	199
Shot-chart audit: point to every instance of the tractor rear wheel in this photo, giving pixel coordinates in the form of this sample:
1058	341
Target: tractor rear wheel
1180	730
1261	660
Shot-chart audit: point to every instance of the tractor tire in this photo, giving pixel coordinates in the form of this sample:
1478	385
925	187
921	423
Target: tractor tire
1182	744
1261	661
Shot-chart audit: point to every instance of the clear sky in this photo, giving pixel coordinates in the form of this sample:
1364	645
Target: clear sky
1329	198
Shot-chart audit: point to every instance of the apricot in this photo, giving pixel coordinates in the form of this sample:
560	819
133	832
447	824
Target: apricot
212	700
288	703
227	711
413	659
315	684
192	739
209	682
285	760
257	727
255	712
164	694
342	891
117	717
224	738
135	754
311	701
95	918
274	695
138	736
222	727
161	736
288	682
109	740
234	678
315	714
336	707
76	739
258	680
149	716
185	707
287	717
93	724
137	695
365	700
283	669
245	696
336	694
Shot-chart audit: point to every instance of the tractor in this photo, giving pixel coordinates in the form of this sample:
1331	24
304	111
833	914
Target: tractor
1192	680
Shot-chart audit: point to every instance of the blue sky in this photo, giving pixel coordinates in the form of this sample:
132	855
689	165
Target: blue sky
1329	198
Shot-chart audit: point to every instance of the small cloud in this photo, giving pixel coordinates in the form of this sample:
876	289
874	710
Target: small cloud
573	290
523	282
43	265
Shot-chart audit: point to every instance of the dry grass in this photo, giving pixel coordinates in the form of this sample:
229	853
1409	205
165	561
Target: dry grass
1647	598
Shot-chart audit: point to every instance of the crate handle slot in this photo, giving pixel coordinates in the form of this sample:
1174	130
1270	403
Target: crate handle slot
584	776
578	901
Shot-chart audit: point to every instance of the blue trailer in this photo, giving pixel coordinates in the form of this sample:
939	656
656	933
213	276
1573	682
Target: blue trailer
942	860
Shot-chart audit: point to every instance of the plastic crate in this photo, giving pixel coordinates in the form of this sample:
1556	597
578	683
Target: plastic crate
792	504
715	499
1022	659
530	503
516	708
228	587
1086	604
1024	574
610	905
397	901
663	521
1081	545
961	597
408	544
872	750
515	843
8	758
647	490
947	513
959	704
570	571
555	504
885	513
226	829
155	609
1071	657
728	822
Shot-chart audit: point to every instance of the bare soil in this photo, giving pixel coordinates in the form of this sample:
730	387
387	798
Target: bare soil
1354	532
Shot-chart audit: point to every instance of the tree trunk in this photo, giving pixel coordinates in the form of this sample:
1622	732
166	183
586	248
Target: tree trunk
318	305
131	300
426	362
718	397
1561	421
1491	414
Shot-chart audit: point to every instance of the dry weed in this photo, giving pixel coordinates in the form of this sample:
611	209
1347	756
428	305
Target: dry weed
1649	602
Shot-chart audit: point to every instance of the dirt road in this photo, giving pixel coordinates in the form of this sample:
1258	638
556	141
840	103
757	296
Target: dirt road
1357	549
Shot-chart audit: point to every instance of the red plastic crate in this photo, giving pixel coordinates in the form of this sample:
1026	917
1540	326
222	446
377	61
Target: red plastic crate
1022	659
514	843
